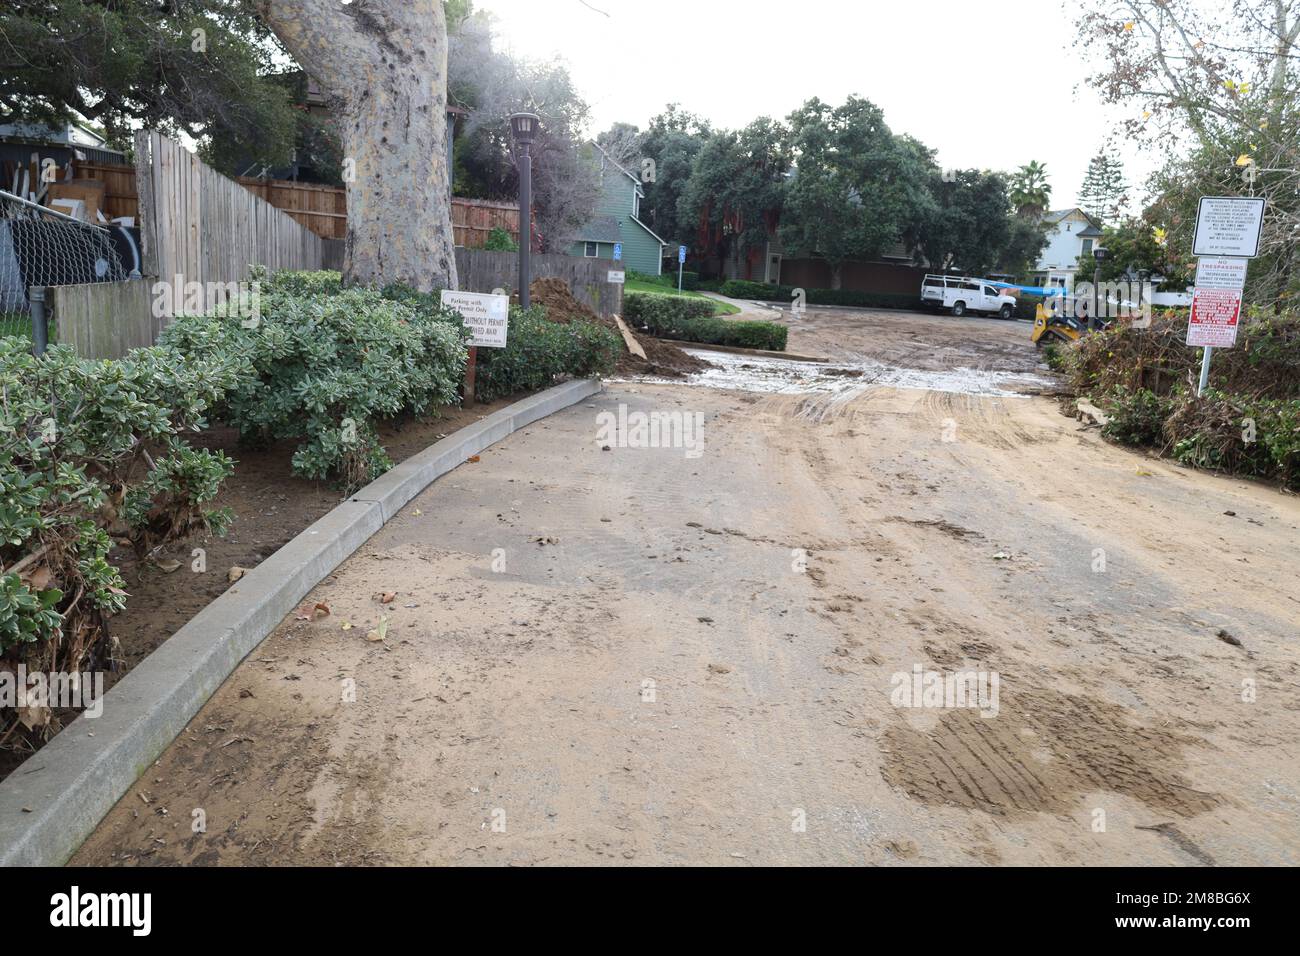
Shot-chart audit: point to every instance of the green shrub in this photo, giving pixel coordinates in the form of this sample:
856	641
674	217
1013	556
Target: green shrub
692	320
1226	433
1135	418
660	311
538	351
323	365
91	451
661	279
499	240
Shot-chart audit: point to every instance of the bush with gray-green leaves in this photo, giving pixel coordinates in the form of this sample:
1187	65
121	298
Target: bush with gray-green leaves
323	364
91	451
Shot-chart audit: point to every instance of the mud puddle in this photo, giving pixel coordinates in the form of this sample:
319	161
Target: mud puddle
746	373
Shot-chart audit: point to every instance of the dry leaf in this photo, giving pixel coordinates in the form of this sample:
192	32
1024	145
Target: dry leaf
472	458
38	579
310	611
346	625
379	633
388	597
167	567
235	573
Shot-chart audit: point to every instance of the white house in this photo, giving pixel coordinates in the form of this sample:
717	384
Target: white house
1070	234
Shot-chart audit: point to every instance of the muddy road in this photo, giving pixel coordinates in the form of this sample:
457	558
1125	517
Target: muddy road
698	654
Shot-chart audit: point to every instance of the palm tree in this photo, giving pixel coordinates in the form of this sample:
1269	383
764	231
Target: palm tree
1030	191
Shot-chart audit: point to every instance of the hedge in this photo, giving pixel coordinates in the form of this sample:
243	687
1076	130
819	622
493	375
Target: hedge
692	320
538	351
764	292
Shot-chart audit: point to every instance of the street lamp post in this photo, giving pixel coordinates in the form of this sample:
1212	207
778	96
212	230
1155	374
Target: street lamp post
1100	255
524	128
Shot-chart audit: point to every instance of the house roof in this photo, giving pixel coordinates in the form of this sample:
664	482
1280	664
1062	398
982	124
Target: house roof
601	229
1056	215
613	162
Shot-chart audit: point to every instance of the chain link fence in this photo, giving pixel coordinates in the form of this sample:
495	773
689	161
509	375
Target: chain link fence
40	247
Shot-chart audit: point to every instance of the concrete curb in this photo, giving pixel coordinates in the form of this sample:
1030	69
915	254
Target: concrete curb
48	809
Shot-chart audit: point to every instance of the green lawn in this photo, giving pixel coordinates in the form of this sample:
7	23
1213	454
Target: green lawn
654	288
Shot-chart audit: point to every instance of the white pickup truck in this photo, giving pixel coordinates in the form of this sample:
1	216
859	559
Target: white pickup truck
963	294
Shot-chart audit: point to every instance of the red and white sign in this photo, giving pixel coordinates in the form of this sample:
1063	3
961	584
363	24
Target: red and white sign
1215	314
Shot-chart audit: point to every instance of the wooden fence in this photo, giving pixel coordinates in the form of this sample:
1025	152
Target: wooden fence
322	209
104	319
480	270
201	226
472	220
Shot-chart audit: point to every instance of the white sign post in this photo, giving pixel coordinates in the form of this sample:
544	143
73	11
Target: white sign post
487	317
1227	235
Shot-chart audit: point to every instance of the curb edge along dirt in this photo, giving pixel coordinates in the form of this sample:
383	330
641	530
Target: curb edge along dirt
46	811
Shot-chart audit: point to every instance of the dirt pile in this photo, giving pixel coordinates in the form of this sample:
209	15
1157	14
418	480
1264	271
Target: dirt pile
661	359
553	294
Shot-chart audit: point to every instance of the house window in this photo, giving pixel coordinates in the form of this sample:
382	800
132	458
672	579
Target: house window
591	249
1087	247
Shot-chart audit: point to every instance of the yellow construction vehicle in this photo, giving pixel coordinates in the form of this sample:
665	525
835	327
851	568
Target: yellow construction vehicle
1057	320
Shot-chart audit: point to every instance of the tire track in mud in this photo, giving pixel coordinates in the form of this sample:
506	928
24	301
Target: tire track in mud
1042	750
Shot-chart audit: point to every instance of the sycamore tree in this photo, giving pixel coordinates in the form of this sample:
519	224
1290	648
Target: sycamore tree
383	67
205	68
1221	83
857	189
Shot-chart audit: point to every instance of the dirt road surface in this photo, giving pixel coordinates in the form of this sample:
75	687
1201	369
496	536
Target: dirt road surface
641	655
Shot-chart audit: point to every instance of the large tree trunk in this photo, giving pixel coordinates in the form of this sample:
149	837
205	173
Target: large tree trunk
383	66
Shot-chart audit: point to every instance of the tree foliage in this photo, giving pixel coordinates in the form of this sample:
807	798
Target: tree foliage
1030	191
1103	191
1225	81
857	189
734	195
203	67
492	85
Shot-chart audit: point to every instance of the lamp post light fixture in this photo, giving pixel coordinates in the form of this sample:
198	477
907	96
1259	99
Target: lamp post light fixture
524	128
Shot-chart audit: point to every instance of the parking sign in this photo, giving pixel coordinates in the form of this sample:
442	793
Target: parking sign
618	251
681	253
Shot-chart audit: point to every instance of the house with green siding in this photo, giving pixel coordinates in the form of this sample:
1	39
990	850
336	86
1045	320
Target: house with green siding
616	221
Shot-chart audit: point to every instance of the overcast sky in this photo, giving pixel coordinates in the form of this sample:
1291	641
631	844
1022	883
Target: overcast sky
990	84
